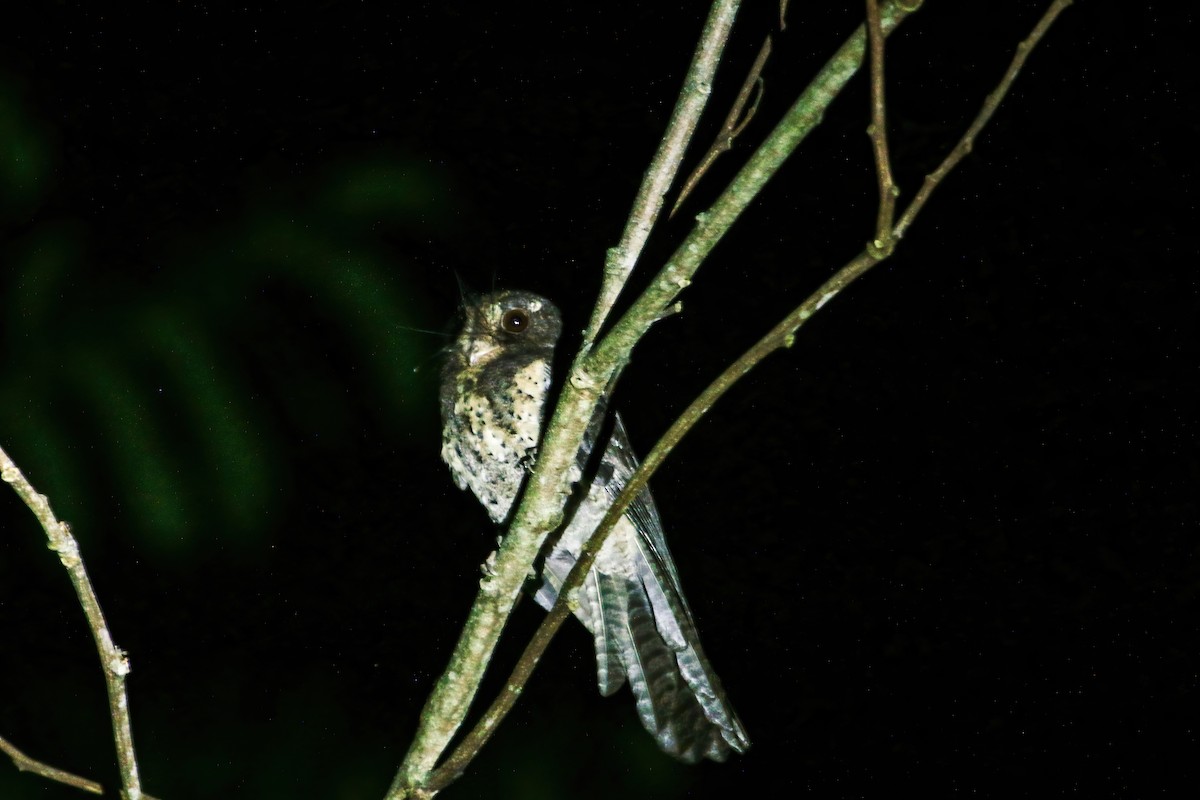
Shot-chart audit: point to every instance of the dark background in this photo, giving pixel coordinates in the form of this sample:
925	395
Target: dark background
947	542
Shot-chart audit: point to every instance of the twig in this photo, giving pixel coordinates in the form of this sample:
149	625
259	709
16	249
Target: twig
734	124
989	107
888	191
112	659
697	86
26	764
782	335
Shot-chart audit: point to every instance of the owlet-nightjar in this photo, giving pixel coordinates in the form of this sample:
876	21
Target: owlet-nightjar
493	396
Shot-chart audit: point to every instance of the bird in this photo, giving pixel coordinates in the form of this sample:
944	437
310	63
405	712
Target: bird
494	388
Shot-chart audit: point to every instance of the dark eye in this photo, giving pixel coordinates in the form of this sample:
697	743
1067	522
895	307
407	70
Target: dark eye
515	320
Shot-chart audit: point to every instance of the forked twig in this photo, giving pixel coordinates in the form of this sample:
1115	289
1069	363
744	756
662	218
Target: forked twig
735	123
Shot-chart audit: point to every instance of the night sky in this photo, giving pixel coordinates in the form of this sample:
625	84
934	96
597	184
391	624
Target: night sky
946	543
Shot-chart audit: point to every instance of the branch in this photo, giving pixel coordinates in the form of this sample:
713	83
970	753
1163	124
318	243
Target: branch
112	658
989	107
888	191
24	763
781	336
697	86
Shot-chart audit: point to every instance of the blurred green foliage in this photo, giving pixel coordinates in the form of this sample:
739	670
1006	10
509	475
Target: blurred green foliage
169	390
28	148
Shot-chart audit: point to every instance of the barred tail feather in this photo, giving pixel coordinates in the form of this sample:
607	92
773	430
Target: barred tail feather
676	700
674	624
609	624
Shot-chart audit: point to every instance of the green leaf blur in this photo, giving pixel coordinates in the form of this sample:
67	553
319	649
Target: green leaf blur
155	391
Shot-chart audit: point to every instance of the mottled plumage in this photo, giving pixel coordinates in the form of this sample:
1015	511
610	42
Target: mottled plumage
494	389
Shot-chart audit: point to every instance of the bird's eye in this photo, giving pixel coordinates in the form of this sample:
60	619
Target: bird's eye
515	320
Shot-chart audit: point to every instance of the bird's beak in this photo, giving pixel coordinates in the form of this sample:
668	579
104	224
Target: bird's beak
481	353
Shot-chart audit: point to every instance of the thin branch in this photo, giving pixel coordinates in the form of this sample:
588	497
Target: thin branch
735	123
781	336
24	763
712	224
473	742
112	659
697	86
989	107
888	191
